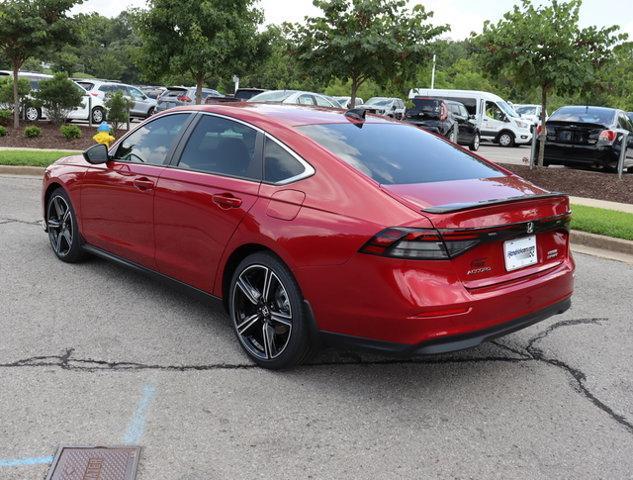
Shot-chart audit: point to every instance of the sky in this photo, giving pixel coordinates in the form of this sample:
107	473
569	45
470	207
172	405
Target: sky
464	16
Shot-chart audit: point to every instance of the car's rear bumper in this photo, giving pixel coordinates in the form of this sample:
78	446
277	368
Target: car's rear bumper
579	155
451	343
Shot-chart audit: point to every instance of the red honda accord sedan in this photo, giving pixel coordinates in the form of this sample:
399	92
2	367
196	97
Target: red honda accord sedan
319	226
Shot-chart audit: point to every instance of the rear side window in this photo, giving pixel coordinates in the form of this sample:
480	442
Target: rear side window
399	154
87	85
279	164
151	143
222	147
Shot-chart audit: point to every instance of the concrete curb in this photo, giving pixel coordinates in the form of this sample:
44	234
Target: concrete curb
601	242
19	170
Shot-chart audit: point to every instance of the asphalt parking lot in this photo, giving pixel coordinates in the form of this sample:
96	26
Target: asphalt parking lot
93	354
500	154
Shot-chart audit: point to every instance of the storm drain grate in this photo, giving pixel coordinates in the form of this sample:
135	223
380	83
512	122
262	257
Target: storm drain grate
95	463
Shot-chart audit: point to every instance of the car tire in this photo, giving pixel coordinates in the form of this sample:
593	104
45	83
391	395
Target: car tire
267	310
63	228
474	146
506	139
32	114
98	115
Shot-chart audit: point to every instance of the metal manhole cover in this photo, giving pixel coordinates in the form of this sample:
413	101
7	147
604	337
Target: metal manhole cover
95	463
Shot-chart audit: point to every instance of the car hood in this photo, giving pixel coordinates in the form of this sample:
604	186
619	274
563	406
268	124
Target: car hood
423	196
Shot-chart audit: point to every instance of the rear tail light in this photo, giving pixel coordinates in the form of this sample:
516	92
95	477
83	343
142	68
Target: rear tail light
94	94
608	136
184	98
430	244
416	244
539	129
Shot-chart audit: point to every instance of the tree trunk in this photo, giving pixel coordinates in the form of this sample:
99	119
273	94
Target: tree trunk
16	98
199	82
543	133
355	85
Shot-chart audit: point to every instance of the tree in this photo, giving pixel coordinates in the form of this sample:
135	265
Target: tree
542	46
27	27
118	109
7	91
207	38
362	40
59	96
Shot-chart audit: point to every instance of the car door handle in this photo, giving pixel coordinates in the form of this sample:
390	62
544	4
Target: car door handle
143	183
226	201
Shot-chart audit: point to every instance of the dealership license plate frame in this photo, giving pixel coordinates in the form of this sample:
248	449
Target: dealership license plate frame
514	262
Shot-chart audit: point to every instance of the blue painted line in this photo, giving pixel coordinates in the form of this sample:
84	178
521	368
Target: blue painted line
137	424
25	462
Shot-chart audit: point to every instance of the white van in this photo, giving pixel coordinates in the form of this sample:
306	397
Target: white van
497	121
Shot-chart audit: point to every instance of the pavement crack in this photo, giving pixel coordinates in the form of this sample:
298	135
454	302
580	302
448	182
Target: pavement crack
5	221
578	375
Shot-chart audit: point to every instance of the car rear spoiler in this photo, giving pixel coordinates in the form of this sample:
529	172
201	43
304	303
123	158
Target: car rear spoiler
457	207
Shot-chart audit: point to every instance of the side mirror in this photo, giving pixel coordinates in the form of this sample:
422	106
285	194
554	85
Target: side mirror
472	117
97	154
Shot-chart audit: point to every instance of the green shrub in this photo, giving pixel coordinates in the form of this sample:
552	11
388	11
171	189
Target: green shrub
5	116
70	131
32	131
59	96
6	90
3	131
118	109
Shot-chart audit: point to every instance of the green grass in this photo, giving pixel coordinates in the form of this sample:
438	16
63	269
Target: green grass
602	222
32	158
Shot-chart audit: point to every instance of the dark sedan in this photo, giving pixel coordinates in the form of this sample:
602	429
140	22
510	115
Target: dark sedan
588	137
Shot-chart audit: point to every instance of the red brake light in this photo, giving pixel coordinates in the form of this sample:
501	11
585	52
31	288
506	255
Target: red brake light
539	129
94	94
183	98
608	136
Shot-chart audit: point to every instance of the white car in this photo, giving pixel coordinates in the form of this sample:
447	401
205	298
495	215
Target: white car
532	113
143	106
387	106
294	97
346	102
90	105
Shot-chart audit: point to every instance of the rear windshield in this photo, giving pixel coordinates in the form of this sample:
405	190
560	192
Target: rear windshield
398	154
174	92
427	105
601	116
274	96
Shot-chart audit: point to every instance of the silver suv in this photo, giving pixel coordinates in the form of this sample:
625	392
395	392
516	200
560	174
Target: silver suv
143	107
181	96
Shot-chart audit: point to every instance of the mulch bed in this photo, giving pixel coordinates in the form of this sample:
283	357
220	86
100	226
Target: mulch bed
579	183
50	137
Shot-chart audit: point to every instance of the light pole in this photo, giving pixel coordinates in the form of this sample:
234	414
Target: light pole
433	72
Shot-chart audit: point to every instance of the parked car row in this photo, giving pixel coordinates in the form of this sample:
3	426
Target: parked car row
91	106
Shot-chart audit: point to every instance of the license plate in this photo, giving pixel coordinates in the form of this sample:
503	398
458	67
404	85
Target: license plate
520	253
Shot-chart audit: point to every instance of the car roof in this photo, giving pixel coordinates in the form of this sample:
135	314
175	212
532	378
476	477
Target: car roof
277	114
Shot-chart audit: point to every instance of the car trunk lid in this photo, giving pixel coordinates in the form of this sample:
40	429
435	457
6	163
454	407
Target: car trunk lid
496	230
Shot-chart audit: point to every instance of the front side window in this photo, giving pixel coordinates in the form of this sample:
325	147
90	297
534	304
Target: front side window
279	164
398	154
222	147
151	143
135	93
493	111
306	100
322	102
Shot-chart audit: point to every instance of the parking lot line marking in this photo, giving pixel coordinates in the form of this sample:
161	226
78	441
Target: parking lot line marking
25	462
137	424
